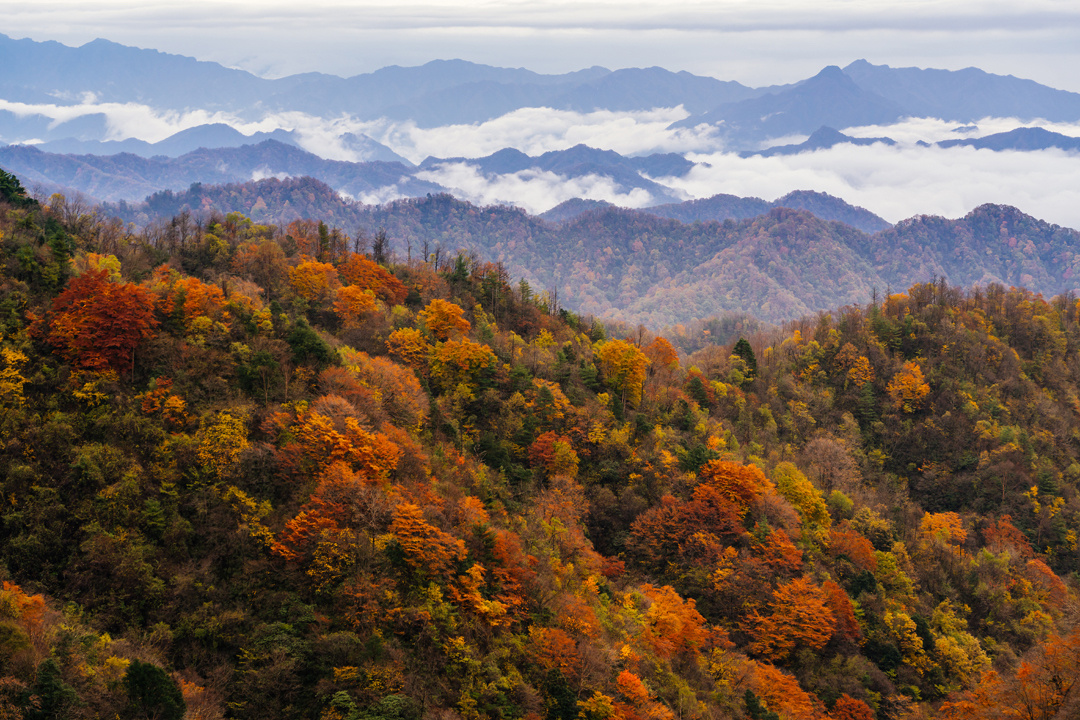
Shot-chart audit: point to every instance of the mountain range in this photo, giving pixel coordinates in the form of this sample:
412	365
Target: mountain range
446	92
776	260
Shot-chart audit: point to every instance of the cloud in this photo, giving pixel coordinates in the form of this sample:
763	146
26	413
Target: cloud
123	120
912	130
533	190
535	131
898	182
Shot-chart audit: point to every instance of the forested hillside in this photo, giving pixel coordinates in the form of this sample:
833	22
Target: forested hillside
249	472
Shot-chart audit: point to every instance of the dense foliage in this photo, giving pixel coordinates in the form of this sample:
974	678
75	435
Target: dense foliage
311	482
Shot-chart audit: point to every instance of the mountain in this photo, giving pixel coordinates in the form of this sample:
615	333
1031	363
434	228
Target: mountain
821	139
130	177
725	207
1034	138
964	95
143	170
570	209
830	98
445	92
242	482
633	265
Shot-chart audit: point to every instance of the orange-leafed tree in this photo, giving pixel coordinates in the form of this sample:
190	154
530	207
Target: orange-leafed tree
97	324
360	272
799	616
313	280
460	364
672	625
849	708
908	388
353	304
444	320
410	346
741	485
843	612
426	548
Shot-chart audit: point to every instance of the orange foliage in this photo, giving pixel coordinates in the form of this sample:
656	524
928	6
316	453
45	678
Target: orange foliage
848	708
426	548
458	363
782	694
946	528
444	319
364	274
352	304
672	624
908	388
843	612
742	485
1006	536
661	354
96	324
553	649
410	345
662	534
846	541
799	616
313	280
320	441
779	553
1043	687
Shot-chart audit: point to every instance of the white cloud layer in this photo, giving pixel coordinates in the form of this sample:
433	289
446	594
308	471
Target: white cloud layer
894	182
533	190
899	182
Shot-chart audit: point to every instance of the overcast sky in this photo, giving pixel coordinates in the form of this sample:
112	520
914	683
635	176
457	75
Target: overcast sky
756	42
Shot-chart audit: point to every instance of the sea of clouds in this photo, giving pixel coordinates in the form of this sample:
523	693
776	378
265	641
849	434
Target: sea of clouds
894	182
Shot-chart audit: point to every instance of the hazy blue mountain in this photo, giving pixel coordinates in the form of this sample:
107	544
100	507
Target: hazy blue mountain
830	98
964	95
129	177
580	161
647	88
112	72
1035	138
821	139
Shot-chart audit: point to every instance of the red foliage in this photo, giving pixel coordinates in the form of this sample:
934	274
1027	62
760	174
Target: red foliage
844	540
96	324
843	612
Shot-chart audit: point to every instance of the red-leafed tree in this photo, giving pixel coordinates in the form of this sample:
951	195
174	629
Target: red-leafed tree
96	324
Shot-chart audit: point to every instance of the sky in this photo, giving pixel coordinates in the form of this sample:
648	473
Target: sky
757	42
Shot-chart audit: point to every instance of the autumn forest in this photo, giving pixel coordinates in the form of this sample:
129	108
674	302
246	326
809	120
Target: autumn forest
278	471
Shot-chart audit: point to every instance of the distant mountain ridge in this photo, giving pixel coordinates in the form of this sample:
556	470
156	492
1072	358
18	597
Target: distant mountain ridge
445	92
636	266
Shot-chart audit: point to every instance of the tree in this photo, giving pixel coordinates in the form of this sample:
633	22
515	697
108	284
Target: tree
352	304
623	366
96	324
743	350
908	388
313	280
152	694
799	616
359	271
444	319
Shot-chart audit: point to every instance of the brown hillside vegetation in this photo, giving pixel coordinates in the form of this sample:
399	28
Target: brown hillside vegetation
282	498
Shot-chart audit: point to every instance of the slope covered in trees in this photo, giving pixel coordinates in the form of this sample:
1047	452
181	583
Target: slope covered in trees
776	263
309	482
